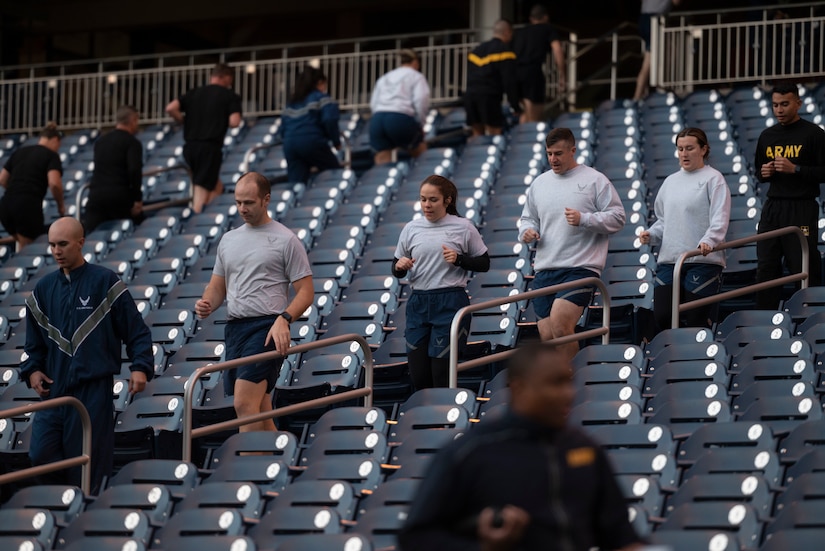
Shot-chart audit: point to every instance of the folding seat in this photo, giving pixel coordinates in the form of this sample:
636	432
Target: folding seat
206	352
595	374
805	302
149	427
362	473
365	311
182	319
609	354
342	236
189	247
645	462
270	473
743	336
643	492
682	390
461	397
244	497
783	413
15	395
416	449
803	326
327	542
684	540
795	538
749	318
685	416
91	525
803	438
335	263
336	495
745	437
428	417
726	485
178	476
204	521
278	445
804	488
281	524
770	390
609	392
732	459
23	543
155	500
209	543
145	295
321	376
813	461
630	436
615	274
63	501
360	419
790	369
365	444
711	352
806	515
605	413
739	520
382	525
815	336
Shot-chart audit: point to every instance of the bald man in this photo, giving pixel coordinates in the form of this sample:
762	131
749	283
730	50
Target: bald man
76	319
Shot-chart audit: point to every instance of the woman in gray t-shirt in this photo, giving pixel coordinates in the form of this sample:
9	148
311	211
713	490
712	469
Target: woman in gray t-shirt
438	251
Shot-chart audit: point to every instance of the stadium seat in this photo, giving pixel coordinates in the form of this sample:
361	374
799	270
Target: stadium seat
364	444
382	525
64	502
106	523
692	540
280	525
336	495
739	520
353	418
178	476
244	497
327	542
204	521
278	445
414	453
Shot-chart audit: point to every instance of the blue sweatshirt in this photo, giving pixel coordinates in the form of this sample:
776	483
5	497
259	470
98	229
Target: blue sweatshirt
314	118
74	328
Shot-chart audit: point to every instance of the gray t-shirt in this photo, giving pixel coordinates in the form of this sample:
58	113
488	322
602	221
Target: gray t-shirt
259	263
421	240
656	7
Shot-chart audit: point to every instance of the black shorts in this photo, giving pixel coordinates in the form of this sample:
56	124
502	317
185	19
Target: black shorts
484	110
245	337
531	82
22	215
204	159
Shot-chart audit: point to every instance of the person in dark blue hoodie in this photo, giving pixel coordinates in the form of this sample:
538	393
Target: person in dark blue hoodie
308	124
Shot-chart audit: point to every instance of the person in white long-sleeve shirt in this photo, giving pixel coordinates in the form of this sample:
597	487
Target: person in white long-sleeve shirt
692	212
399	103
569	213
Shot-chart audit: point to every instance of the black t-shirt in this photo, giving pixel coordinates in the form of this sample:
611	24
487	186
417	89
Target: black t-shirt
29	168
118	166
207	112
802	143
532	43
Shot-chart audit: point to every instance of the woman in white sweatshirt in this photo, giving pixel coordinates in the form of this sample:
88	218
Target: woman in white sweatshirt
692	212
399	103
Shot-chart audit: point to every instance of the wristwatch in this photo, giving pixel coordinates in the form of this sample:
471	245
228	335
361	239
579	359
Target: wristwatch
287	316
797	169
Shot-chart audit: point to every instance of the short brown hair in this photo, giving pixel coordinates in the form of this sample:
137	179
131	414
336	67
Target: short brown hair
697	133
263	183
560	135
222	70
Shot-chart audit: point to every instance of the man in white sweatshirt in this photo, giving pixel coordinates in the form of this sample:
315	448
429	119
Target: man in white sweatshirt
399	103
569	213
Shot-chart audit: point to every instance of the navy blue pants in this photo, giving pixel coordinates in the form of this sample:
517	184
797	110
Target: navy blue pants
302	154
58	434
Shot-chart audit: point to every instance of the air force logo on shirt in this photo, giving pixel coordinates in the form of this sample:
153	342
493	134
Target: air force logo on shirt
84	303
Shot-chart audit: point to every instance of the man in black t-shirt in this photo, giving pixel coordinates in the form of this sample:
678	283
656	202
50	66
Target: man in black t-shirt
115	191
209	110
531	44
790	156
28	174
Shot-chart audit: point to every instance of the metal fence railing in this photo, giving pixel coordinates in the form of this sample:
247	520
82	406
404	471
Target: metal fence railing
802	276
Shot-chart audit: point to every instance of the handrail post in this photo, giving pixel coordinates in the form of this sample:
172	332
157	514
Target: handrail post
604	331
802	277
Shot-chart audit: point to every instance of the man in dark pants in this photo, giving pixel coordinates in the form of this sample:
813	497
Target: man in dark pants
115	191
791	157
531	44
524	481
76	319
210	110
491	72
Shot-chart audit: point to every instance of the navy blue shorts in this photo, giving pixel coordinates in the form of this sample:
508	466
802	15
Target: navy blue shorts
645	28
545	278
702	280
204	159
390	130
484	109
429	317
245	337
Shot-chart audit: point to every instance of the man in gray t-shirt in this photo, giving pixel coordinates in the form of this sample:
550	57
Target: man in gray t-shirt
254	266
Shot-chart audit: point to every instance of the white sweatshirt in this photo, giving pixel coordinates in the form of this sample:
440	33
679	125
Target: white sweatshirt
691	208
561	245
402	90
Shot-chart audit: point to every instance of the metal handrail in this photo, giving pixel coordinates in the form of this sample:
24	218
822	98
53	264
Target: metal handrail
677	272
189	434
604	330
83	460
